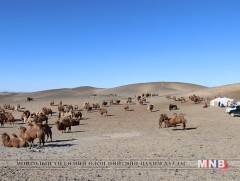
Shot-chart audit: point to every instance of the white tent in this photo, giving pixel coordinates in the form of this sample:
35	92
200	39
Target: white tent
222	100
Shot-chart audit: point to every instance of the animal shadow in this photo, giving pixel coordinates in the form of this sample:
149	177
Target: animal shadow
59	145
186	129
110	115
83	124
76	132
58	141
85	119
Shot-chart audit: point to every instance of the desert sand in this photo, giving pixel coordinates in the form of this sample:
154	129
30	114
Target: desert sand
127	136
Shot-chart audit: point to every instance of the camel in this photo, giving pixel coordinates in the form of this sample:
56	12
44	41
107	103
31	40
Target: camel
163	118
177	120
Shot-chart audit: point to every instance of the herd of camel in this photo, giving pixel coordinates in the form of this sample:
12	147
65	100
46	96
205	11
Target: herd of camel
69	115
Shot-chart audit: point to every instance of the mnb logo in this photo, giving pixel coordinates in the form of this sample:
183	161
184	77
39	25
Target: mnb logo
213	164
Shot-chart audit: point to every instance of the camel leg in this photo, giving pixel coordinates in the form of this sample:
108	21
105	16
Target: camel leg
184	126
160	124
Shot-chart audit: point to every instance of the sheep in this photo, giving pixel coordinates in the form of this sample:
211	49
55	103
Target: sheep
103	111
63	125
33	132
150	107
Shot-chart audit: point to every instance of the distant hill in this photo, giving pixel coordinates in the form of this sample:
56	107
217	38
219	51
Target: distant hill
231	91
160	88
153	87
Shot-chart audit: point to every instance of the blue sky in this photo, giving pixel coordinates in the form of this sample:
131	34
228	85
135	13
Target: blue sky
48	44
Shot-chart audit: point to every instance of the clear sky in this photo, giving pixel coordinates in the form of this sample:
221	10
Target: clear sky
47	44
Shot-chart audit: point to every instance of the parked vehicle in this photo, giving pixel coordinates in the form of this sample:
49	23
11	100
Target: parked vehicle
233	107
234	113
